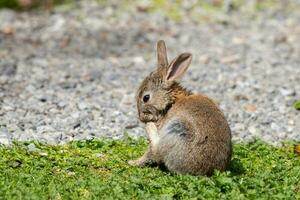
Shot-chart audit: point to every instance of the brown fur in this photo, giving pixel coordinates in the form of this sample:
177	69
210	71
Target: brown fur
188	133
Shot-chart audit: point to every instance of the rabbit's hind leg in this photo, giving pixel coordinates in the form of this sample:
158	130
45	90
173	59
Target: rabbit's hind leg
142	161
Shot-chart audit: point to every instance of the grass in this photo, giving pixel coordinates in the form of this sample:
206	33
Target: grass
99	170
297	105
32	4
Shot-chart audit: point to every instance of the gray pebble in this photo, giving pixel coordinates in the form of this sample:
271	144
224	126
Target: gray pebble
31	147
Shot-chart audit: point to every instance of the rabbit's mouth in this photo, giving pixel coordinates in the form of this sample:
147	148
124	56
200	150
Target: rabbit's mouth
150	114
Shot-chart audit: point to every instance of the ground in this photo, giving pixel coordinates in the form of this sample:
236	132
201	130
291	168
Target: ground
71	73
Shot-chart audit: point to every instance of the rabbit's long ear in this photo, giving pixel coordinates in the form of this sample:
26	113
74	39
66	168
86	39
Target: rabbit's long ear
178	66
162	58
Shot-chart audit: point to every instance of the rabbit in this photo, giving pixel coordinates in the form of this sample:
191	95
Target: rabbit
188	133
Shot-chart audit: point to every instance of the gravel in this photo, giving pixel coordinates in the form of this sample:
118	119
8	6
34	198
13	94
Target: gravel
72	74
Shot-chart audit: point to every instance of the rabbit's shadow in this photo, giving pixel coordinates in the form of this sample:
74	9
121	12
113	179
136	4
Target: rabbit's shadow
236	167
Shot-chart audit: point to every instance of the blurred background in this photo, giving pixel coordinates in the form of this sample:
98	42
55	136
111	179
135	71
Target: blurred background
69	69
176	6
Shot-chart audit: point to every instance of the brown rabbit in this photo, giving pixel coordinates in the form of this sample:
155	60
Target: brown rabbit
188	133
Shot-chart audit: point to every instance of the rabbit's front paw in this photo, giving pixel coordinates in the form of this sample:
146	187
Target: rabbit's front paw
152	133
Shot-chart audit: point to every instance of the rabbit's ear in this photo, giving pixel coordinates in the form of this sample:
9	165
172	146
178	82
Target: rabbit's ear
178	66
162	59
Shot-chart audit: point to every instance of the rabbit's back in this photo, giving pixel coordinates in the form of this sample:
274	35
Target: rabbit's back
201	116
195	137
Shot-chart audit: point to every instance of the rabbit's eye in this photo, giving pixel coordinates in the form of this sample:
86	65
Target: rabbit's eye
146	98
